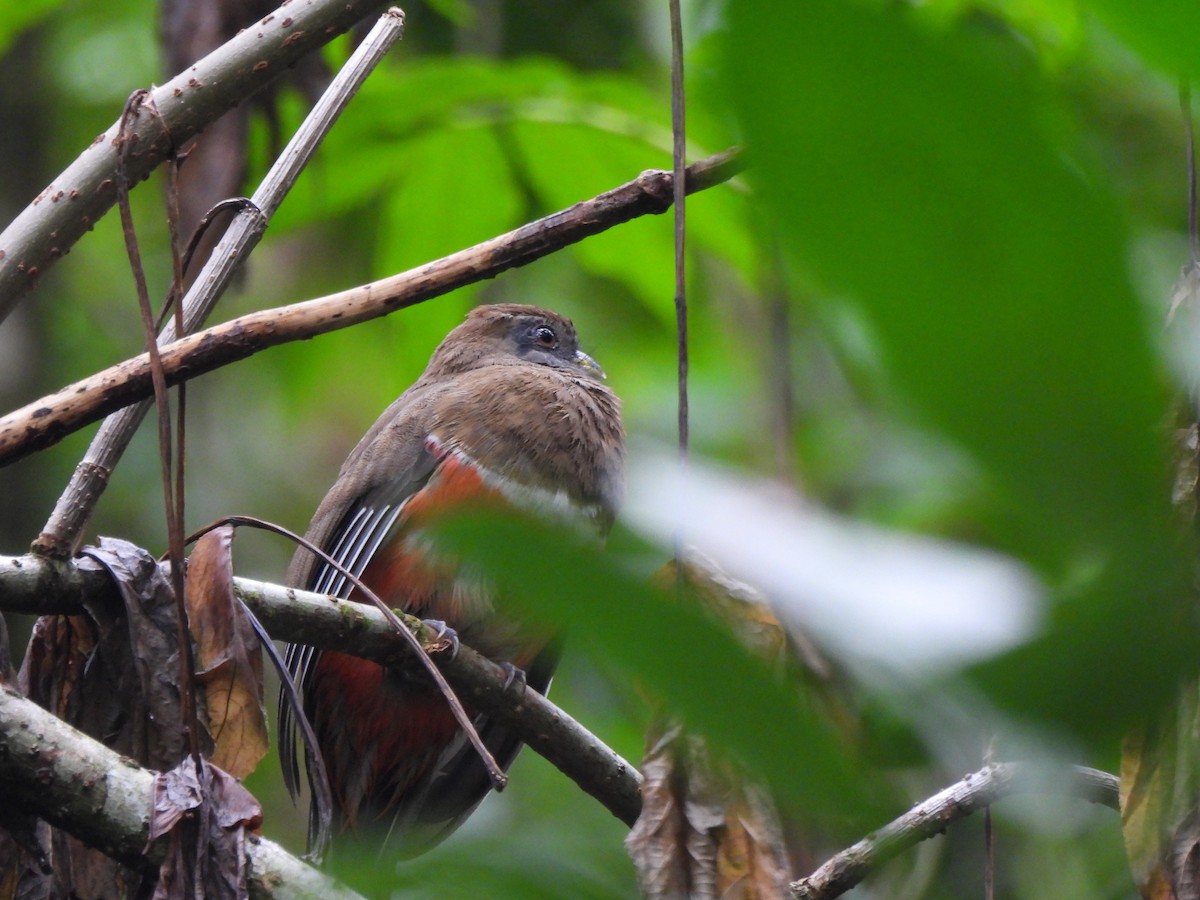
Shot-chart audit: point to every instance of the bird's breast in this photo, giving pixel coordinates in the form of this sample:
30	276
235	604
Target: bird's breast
548	441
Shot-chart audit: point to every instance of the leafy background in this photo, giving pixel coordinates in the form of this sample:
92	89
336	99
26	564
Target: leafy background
953	248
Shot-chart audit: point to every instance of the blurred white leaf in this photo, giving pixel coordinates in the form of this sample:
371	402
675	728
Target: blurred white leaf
870	595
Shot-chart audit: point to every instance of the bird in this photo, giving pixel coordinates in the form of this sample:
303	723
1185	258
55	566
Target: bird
509	409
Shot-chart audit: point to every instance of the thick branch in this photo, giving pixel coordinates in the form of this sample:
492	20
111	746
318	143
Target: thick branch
48	420
931	817
32	584
77	784
72	203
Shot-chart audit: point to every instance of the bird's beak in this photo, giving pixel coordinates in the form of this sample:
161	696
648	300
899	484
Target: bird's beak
590	364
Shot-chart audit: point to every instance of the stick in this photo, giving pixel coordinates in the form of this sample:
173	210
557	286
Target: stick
48	420
77	784
930	818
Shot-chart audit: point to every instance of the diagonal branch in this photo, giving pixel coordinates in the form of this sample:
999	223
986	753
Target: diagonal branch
46	421
33	584
76	783
71	204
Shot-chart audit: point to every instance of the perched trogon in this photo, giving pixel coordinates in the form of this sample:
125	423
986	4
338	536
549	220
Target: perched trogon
510	409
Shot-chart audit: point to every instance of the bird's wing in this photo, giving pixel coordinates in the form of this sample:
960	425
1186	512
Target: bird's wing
350	525
431	808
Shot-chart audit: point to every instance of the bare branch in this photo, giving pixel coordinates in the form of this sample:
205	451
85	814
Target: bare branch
76	783
71	204
46	421
929	818
32	584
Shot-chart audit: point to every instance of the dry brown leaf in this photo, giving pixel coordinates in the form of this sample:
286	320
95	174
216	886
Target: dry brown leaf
1160	804
25	871
705	831
112	673
210	800
228	657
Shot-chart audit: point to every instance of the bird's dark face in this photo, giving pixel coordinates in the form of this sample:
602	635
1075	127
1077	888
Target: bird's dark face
550	340
512	333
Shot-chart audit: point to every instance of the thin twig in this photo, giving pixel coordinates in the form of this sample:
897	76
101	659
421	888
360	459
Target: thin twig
679	192
318	775
989	856
63	531
47	420
930	818
173	304
127	145
783	398
193	858
209	220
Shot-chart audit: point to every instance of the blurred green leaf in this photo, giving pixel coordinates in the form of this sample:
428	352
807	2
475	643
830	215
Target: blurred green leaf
675	651
1162	31
922	175
16	17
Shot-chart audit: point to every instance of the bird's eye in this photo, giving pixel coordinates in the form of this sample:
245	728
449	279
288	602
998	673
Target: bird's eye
545	337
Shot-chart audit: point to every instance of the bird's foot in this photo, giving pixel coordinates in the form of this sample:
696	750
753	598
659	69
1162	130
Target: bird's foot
513	675
446	638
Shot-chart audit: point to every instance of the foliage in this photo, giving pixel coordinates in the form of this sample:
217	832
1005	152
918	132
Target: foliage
969	213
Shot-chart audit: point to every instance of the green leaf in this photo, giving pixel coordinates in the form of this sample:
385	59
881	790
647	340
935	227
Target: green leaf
691	662
923	176
1162	31
17	17
456	189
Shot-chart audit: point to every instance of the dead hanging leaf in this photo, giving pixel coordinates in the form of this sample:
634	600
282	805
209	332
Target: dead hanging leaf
1160	803
151	640
228	657
112	673
25	870
210	804
706	831
703	832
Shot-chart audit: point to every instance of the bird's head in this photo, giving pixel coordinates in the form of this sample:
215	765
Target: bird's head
506	333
